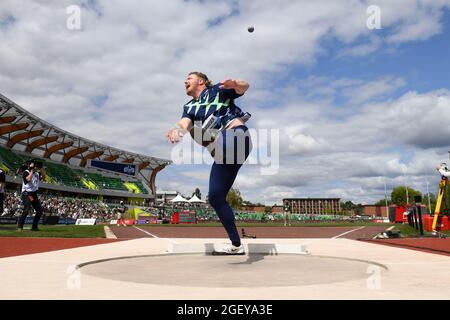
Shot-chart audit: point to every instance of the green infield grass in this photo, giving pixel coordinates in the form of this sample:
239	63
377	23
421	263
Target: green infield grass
54	231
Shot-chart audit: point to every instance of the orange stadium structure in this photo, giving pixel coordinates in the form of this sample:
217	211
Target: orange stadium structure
73	164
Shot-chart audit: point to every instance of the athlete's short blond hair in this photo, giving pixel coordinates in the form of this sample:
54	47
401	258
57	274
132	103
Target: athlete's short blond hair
202	76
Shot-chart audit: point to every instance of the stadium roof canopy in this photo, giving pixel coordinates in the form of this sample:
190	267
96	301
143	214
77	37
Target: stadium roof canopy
20	130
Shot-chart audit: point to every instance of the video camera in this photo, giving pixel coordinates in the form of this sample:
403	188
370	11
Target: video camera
38	164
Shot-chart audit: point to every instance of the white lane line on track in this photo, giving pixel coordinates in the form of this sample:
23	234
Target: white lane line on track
335	237
343	234
146	232
154	236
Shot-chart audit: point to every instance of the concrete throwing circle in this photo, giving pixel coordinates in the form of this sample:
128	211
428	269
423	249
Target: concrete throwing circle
255	270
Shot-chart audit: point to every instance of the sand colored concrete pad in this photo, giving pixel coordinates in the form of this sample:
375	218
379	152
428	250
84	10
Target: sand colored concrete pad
253	270
359	265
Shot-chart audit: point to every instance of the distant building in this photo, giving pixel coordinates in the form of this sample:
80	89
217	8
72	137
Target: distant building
277	209
164	196
253	208
313	205
374	211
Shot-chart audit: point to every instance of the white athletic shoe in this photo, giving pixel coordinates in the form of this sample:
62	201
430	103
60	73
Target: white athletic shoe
229	250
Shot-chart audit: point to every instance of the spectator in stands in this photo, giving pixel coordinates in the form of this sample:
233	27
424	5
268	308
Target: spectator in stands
65	207
12	205
31	178
2	190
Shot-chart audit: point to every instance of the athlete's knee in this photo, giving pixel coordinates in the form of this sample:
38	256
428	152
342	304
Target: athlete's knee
216	198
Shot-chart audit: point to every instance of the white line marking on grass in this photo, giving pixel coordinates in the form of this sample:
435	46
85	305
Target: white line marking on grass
109	234
343	234
152	235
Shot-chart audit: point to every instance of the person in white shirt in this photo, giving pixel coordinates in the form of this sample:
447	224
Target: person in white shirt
120	215
443	170
31	178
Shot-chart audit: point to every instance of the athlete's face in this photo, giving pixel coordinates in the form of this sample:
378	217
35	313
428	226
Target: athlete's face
192	84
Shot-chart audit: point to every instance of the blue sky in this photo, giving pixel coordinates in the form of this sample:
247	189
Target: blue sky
355	108
422	63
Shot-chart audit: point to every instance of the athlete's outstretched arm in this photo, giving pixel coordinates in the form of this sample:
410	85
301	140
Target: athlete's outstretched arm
184	125
240	86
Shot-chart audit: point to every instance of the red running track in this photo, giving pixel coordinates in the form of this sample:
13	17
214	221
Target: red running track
10	247
430	245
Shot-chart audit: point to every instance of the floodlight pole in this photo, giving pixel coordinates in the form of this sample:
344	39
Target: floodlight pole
429	202
407	196
385	200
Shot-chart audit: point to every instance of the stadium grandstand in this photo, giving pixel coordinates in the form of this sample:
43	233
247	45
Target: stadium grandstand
74	165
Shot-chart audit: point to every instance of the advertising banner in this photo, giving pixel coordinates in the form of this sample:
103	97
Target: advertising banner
67	221
85	222
187	216
8	220
124	168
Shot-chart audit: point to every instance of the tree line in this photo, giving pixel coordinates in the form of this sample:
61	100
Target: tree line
399	197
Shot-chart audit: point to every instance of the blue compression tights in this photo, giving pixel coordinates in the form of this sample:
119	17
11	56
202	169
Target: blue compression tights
224	170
